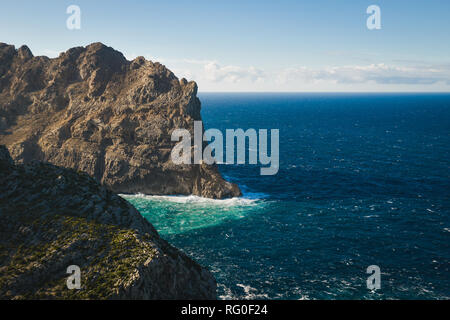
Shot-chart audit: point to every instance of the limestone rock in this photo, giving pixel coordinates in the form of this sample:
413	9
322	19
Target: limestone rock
92	110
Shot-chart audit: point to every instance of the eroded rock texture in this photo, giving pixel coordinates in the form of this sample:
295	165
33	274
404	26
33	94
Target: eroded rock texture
92	110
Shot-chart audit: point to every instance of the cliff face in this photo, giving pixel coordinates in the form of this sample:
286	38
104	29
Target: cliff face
92	110
54	217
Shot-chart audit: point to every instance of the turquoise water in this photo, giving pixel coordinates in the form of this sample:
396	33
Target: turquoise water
173	215
364	180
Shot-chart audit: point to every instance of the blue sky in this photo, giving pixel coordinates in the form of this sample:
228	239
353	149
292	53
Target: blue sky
320	45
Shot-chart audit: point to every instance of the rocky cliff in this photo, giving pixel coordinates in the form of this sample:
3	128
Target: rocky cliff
92	110
54	217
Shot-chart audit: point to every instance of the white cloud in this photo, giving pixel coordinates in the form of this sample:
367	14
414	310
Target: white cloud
373	73
210	71
211	75
216	73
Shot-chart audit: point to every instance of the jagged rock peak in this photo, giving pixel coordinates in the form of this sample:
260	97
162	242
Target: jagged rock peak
92	110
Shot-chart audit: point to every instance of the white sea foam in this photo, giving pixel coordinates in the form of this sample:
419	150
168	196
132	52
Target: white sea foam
249	198
177	214
249	293
252	293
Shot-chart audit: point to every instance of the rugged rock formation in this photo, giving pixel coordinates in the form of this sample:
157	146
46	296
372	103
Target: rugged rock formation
92	110
54	217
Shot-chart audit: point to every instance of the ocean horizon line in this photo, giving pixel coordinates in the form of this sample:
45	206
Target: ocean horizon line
328	92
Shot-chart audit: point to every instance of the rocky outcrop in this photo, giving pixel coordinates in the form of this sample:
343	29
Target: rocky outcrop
92	110
54	217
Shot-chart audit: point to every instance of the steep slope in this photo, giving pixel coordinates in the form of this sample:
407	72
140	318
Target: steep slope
54	217
92	110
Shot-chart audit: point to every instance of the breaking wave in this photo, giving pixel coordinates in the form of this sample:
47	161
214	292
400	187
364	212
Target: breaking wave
181	214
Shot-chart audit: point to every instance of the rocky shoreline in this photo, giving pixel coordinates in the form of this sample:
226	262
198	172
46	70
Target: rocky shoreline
55	217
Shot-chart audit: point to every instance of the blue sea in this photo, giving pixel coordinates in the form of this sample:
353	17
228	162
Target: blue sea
364	180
